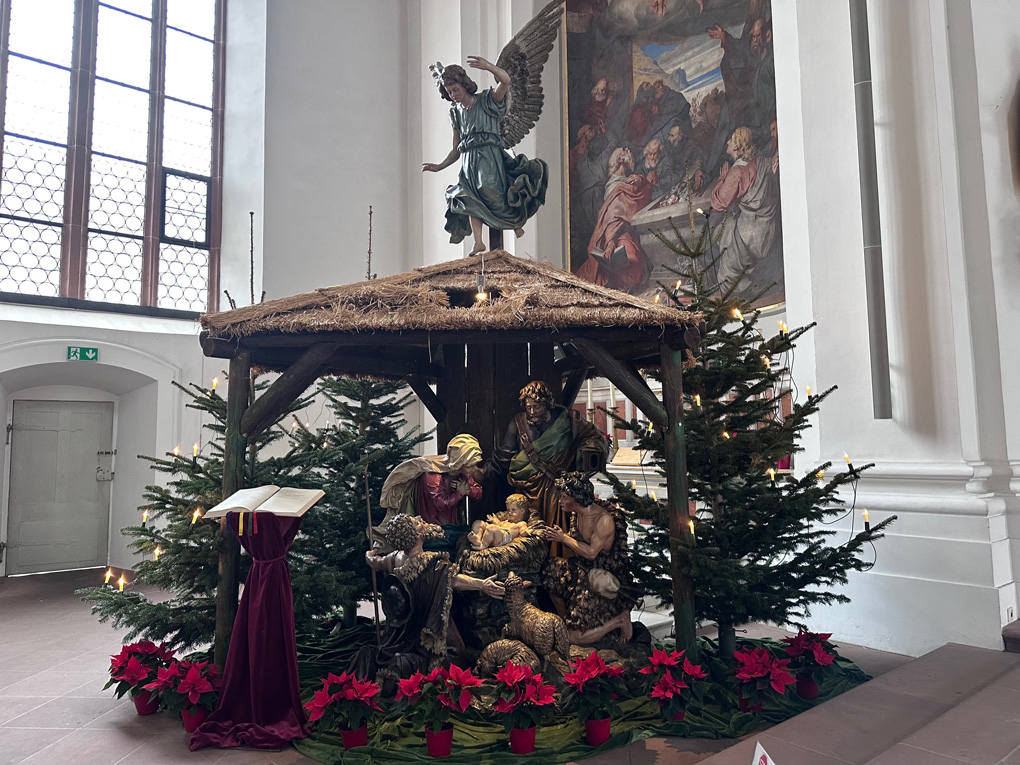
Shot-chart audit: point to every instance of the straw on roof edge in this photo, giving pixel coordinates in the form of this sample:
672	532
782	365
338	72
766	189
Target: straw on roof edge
528	295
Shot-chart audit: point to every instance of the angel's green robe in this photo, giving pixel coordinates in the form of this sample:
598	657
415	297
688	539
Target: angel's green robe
501	189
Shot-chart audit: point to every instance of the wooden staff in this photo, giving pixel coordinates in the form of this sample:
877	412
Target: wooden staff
371	545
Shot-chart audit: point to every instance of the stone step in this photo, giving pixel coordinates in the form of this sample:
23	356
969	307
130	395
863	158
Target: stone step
957	696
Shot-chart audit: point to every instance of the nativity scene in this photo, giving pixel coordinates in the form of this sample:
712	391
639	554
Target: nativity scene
506	571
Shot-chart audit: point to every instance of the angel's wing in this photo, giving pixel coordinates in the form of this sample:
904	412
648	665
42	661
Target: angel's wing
523	58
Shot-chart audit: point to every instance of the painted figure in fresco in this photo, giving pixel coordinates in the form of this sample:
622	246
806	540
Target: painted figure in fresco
685	155
541	443
615	256
417	603
749	77
749	192
602	108
495	187
591	588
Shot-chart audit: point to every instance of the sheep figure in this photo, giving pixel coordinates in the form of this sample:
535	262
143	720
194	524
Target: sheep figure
499	652
544	632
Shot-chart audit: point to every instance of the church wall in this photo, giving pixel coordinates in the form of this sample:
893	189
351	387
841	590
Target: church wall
335	142
944	572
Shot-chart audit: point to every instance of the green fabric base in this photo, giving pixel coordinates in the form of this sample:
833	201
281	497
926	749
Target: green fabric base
561	737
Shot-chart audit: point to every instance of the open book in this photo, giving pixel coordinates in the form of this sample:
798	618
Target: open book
268	499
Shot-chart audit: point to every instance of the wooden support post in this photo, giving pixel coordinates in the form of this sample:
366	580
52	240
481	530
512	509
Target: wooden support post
495	239
238	395
680	533
618	373
287	387
451	389
421	389
572	386
541	366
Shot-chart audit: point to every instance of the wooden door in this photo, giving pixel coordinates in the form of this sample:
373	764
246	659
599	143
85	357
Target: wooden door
59	507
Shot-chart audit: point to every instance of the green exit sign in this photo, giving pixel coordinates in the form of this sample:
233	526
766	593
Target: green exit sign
80	353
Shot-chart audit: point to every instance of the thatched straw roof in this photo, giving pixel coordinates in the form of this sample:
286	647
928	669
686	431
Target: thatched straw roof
526	295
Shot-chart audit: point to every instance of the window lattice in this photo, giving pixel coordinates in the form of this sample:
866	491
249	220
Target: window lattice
120	125
113	272
183	277
38	97
29	258
117	195
186	210
187	138
32	179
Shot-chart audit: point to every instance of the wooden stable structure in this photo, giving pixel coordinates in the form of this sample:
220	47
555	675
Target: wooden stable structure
479	328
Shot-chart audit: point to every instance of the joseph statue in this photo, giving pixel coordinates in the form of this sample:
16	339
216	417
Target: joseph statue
541	443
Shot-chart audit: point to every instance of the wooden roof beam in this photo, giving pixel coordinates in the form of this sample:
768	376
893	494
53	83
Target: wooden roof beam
623	378
285	389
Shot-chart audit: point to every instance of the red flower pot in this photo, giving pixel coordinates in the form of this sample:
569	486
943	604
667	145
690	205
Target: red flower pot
353	738
522	740
193	718
438	743
145	704
807	688
745	706
596	732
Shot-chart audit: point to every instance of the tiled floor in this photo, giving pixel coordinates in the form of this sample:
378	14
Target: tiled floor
54	658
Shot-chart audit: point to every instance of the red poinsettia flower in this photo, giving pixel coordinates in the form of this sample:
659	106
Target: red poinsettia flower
194	685
504	707
804	641
823	657
667	687
365	690
584	670
779	677
165	678
659	659
538	693
410	686
437	674
133	671
754	662
694	670
317	706
463	677
511	674
613	670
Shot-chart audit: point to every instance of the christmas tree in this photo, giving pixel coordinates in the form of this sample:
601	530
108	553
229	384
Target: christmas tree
180	551
763	551
347	460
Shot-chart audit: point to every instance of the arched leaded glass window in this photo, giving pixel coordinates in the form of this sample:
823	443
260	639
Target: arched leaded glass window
110	171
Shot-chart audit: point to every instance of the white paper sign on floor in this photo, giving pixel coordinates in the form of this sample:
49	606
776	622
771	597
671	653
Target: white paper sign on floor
761	757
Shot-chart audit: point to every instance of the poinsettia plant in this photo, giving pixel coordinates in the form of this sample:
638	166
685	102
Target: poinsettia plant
186	684
136	665
522	694
674	680
344	702
760	672
430	699
595	687
809	651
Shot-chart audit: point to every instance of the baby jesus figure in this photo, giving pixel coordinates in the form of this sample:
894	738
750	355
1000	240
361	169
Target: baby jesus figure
497	531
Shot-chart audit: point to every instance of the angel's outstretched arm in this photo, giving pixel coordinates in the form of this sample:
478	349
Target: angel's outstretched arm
502	78
452	157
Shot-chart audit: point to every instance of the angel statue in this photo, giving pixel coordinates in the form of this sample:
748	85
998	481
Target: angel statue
495	187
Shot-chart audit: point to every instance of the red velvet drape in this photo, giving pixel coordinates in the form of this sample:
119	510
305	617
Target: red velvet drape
260	702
